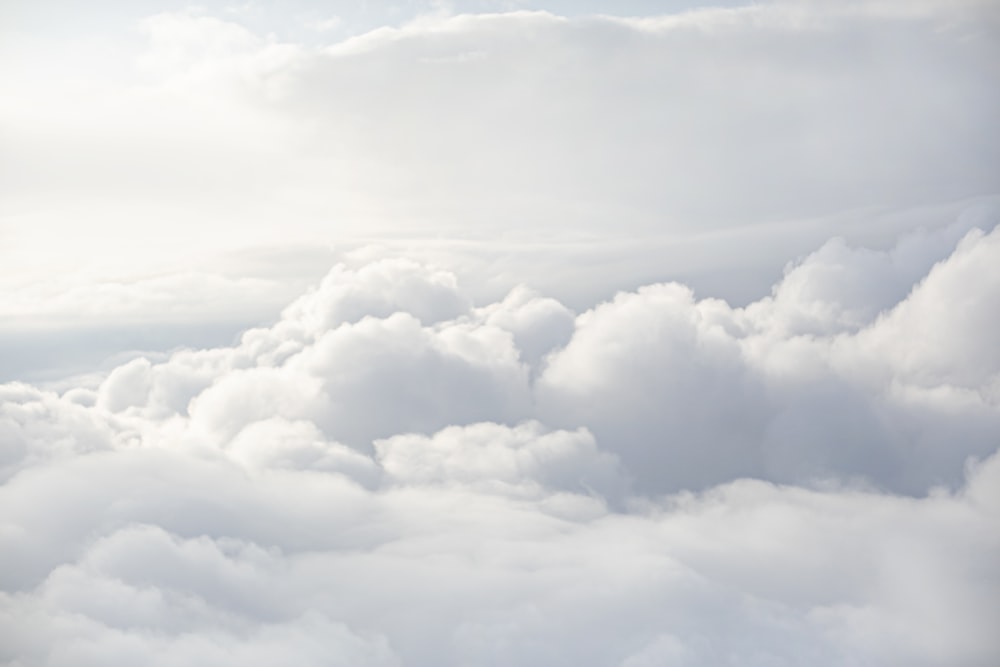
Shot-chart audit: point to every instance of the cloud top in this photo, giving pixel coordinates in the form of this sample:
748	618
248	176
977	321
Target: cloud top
390	474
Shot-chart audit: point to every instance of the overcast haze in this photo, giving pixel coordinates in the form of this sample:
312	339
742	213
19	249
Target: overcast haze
500	333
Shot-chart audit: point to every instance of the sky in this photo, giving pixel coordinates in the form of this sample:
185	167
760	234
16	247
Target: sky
500	332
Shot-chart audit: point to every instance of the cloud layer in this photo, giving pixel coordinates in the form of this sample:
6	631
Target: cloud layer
392	475
556	402
524	123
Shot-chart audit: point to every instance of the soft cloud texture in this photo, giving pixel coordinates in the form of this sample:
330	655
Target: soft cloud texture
593	137
390	475
528	337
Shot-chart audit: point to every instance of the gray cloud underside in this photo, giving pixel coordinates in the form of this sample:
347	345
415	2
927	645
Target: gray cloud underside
392	475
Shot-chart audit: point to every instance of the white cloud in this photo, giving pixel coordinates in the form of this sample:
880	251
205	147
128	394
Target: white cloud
585	126
379	289
495	458
36	426
826	378
959	300
512	424
389	475
441	576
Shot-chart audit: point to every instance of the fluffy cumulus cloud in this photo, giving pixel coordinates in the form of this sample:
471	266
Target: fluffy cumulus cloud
825	377
504	338
391	474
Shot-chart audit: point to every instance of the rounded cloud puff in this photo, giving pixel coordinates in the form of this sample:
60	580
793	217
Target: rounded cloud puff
524	459
390	475
822	380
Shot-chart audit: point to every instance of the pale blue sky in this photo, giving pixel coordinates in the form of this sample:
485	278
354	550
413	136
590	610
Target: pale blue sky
293	19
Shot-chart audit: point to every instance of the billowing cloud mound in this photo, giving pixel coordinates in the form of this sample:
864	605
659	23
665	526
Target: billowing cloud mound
826	378
823	378
391	474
